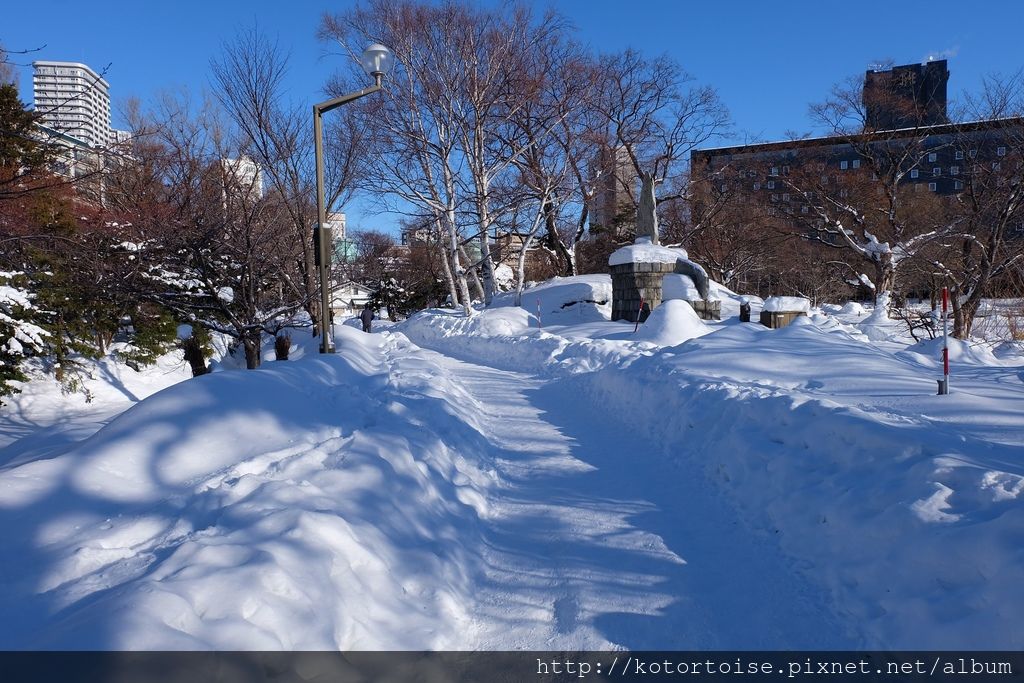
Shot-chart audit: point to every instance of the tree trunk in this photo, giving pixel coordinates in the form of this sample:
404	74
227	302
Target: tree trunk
885	278
446	272
964	313
253	357
478	290
194	356
555	243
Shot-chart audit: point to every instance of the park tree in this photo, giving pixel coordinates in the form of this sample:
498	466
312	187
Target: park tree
988	213
414	165
250	74
209	242
864	196
653	111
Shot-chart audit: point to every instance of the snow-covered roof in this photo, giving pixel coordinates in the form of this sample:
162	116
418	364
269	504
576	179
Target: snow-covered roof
786	304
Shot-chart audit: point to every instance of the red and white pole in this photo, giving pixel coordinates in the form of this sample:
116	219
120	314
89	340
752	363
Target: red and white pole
944	389
638	314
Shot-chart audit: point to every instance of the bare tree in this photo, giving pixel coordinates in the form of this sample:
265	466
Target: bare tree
989	210
249	76
210	244
415	164
865	194
650	111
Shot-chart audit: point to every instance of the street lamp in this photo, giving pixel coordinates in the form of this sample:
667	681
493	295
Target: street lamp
376	61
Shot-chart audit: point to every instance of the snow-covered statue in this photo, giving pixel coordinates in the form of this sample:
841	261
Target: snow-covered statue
646	210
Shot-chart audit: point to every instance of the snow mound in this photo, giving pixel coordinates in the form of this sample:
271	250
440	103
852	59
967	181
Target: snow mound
672	323
583	298
821	439
929	353
852	308
675	286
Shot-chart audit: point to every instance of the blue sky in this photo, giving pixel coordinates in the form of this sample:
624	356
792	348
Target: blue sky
768	60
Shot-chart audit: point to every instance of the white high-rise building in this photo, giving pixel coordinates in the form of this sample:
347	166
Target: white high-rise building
74	100
245	175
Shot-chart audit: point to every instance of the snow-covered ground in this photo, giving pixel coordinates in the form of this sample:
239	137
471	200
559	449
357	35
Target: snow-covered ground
507	481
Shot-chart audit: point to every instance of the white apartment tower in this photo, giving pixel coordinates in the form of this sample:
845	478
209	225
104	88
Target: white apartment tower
74	100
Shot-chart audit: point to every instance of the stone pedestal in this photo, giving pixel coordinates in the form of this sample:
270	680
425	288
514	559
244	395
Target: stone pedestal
632	282
707	310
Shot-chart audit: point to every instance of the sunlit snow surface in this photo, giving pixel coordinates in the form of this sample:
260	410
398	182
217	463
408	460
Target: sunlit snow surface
511	481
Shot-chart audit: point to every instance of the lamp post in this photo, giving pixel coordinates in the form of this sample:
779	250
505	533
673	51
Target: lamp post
376	61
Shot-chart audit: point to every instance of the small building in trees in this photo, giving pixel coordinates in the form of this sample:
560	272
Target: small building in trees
348	298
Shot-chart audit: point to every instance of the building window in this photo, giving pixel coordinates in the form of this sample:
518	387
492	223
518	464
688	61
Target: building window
803	209
785	197
724	187
785	170
824	180
996	166
844	164
913	173
775	197
775	171
1000	151
771	184
936	171
757	186
933	186
933	156
954	170
856	163
959	184
959	154
973	153
844	193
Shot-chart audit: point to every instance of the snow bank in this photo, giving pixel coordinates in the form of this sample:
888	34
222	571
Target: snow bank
852	308
533	350
671	323
818	437
307	505
907	506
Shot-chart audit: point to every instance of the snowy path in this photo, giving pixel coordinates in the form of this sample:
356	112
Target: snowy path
594	539
397	497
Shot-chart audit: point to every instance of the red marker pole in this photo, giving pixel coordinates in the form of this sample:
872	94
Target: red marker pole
945	341
638	314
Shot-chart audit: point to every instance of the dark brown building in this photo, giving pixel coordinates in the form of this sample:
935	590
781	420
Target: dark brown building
905	112
906	96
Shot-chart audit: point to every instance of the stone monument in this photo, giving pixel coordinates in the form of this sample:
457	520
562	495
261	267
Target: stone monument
647	211
638	270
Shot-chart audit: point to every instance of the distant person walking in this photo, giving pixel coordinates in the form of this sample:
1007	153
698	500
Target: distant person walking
367	317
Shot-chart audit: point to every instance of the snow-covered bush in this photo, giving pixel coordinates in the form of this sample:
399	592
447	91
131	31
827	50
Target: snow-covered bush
20	336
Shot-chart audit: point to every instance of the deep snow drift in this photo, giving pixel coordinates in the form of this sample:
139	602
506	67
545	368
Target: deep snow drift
503	481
